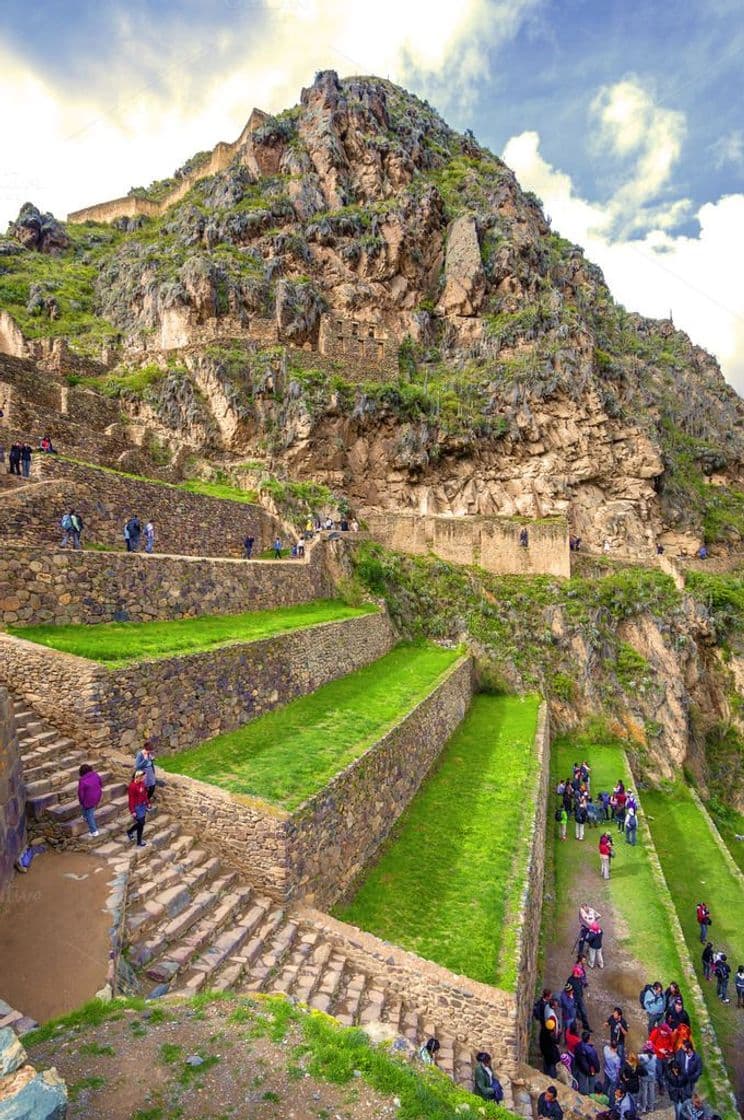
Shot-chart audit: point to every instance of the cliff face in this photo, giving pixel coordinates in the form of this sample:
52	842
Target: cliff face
370	299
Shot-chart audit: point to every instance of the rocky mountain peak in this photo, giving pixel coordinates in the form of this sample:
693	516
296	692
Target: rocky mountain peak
467	358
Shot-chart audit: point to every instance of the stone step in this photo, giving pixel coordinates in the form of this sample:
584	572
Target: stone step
347	1005
230	974
113	841
113	792
106	813
183	955
194	871
50	782
329	985
40	742
227	944
271	921
156	946
50	765
302	948
267	967
166	905
183	951
311	971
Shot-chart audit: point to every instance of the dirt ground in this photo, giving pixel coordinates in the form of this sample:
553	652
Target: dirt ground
136	1068
618	983
54	941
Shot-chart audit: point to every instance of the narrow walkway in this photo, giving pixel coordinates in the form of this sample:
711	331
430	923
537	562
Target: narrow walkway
638	944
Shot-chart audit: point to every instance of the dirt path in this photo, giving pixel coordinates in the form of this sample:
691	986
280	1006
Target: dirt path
54	940
622	978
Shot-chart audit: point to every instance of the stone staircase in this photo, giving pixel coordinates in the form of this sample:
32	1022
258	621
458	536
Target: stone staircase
192	924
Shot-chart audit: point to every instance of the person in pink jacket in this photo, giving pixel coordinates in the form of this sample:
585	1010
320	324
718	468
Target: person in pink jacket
89	796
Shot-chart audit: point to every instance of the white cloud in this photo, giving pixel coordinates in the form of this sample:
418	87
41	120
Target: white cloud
728	149
646	139
172	92
696	277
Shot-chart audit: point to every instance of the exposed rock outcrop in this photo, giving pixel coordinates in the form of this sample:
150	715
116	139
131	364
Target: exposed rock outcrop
42	232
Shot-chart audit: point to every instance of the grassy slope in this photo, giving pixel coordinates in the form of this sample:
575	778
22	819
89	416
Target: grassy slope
446	881
730	826
121	643
632	890
289	754
695	869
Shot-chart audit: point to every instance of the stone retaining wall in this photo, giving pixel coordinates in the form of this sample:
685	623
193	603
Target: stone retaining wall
186	524
333	836
490	542
62	587
181	701
316	850
12	794
530	916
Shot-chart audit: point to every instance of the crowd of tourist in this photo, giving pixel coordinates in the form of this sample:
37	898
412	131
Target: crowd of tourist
619	807
296	551
630	1079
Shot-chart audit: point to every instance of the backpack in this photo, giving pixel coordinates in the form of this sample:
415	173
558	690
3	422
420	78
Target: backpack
66	522
537	1010
558	814
642	994
632	1113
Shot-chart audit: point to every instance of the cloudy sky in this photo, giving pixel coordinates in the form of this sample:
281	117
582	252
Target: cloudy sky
625	116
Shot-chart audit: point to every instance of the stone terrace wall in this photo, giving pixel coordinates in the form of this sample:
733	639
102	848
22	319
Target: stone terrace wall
185	523
315	850
181	701
334	835
491	542
12	794
63	587
530	916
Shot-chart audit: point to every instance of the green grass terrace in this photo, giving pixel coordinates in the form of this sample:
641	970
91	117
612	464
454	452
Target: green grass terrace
696	870
117	644
448	885
289	754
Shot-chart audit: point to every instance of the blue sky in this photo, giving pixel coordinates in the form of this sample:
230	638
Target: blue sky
625	117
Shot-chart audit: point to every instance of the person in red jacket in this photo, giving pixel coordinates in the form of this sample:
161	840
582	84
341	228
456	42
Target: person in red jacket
138	806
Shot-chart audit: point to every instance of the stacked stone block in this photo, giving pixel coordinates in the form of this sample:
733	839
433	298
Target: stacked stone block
12	794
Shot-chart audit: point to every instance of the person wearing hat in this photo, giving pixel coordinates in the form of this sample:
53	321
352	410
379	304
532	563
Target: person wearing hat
138	806
594	942
549	1047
